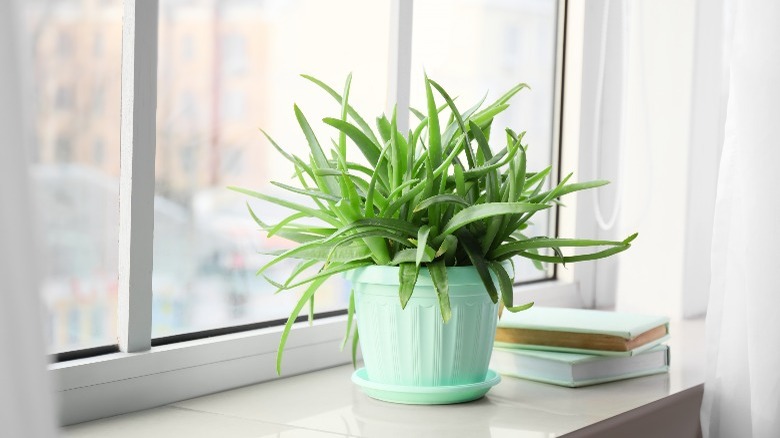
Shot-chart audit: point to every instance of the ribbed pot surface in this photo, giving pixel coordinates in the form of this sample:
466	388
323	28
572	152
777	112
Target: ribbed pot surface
413	346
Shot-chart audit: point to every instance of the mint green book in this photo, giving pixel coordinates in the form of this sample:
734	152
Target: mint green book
575	370
584	331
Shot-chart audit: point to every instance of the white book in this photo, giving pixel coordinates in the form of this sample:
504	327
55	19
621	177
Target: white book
573	370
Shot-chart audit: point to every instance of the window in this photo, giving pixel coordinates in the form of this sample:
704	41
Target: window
187	48
97	45
511	46
64	44
98	151
233	106
75	173
188	109
98	99
234	59
63	100
188	158
232	160
242	72
492	61
204	268
63	150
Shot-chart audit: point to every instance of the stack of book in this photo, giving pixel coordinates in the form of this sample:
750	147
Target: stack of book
578	347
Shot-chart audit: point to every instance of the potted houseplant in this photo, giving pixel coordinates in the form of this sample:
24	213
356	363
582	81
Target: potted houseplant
424	224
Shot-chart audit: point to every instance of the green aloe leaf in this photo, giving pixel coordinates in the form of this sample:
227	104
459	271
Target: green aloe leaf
325	217
434	134
499	160
278	148
310	193
575	258
407	277
405	198
298	236
502	101
449	245
537	178
350	317
509	248
400	150
422	243
438	272
458	118
318	250
504	283
520	169
487	210
285	223
291	320
389	224
376	245
316	150
311	310
349	190
410	256
333	269
417	113
482	142
570	188
512	91
477	259
445	198
257	220
352	113
369	149
404	185
342	146
303	266
370	235
460	181
365	170
383	125
355	343
516	309
484	118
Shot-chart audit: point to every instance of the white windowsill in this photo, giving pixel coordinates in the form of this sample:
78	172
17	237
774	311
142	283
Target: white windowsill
88	389
326	404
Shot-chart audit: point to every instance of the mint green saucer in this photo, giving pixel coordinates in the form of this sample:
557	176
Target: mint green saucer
424	395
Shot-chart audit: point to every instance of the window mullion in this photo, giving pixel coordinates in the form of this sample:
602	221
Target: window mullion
400	60
136	188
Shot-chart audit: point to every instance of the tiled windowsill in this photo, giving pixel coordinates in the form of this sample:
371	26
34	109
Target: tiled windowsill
327	404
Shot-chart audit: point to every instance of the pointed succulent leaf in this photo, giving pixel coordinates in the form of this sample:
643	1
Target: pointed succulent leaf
407	278
438	272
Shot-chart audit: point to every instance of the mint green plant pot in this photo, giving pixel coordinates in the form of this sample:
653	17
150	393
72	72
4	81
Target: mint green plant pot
413	347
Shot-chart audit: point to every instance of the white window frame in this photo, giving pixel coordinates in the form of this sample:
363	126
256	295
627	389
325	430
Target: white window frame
141	376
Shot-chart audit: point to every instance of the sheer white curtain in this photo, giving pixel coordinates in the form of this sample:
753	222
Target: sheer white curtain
26	407
742	390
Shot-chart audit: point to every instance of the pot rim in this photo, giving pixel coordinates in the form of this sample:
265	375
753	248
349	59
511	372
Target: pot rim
388	275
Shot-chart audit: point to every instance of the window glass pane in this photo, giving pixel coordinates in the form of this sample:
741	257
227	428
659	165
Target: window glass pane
71	67
225	69
495	45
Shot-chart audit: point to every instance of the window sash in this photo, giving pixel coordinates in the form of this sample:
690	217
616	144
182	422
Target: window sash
138	146
136	176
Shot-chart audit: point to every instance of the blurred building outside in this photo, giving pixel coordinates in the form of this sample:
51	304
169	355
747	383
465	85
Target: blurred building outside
223	72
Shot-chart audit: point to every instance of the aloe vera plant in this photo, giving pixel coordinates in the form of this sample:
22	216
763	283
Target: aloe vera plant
435	196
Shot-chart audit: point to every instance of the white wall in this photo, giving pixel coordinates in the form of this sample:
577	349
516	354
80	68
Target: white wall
655	157
708	115
26	406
